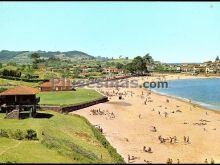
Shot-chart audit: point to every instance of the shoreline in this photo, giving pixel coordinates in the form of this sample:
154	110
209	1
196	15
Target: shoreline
131	129
185	99
187	102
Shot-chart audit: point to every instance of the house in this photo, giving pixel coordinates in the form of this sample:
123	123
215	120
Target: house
188	68
113	70
19	99
57	85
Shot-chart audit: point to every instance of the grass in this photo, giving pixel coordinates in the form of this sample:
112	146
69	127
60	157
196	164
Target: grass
16	82
62	139
64	98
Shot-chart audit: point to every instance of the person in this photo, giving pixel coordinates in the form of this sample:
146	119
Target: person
206	161
178	161
144	148
166	114
129	158
171	140
187	140
149	150
139	116
212	161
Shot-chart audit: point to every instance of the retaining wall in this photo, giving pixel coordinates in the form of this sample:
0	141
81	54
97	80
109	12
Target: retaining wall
71	108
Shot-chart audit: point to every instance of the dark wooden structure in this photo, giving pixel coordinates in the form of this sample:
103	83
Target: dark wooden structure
18	100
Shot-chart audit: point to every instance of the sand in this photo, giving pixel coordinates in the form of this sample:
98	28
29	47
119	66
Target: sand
131	129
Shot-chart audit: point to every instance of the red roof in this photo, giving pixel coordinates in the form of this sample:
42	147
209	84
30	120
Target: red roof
20	90
57	83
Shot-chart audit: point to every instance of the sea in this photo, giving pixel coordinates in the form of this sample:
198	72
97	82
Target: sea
202	91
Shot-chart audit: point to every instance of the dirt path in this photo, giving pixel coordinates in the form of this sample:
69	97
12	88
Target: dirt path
16	145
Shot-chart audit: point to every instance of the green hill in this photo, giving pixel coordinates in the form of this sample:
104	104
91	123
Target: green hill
24	56
61	139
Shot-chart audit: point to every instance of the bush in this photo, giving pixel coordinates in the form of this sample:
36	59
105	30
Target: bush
3	133
18	134
31	134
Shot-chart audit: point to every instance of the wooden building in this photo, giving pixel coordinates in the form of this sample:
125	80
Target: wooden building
19	99
57	85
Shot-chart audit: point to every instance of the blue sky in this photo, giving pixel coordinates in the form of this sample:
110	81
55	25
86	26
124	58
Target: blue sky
169	31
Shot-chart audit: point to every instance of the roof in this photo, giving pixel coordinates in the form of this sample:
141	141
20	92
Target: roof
57	83
20	90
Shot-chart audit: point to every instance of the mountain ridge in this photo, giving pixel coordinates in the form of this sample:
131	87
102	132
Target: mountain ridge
24	56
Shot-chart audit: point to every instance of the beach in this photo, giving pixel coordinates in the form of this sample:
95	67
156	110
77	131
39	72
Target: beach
147	127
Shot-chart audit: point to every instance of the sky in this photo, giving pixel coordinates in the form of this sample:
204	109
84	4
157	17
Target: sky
169	31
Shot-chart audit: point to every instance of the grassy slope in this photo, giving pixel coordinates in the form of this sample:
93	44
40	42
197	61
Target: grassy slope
66	139
15	82
69	97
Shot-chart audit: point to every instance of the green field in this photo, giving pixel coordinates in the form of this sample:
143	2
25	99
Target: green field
69	97
62	139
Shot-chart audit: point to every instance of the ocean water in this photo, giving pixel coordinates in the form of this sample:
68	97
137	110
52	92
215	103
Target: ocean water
205	91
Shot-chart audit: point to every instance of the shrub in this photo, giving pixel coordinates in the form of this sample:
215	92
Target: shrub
18	134
31	134
3	133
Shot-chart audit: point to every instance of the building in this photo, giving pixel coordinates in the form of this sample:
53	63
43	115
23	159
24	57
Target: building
113	70
57	85
19	99
187	68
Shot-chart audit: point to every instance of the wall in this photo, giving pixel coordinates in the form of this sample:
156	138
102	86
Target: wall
68	109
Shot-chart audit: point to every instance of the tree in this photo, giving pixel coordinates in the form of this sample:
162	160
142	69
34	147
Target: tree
139	64
148	59
119	65
217	58
35	57
129	67
76	72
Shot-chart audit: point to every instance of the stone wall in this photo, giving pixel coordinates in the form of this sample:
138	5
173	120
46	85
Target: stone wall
13	114
68	109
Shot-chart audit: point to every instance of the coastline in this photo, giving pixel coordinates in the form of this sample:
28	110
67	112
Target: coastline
130	130
185	100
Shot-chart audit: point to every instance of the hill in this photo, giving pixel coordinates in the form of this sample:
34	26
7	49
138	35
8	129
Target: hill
24	56
61	139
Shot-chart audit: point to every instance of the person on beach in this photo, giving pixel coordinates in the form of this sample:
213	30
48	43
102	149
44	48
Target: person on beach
166	114
187	140
206	161
149	150
139	116
169	161
129	158
178	161
171	140
212	161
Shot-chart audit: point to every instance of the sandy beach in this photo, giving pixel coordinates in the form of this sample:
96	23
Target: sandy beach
172	128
